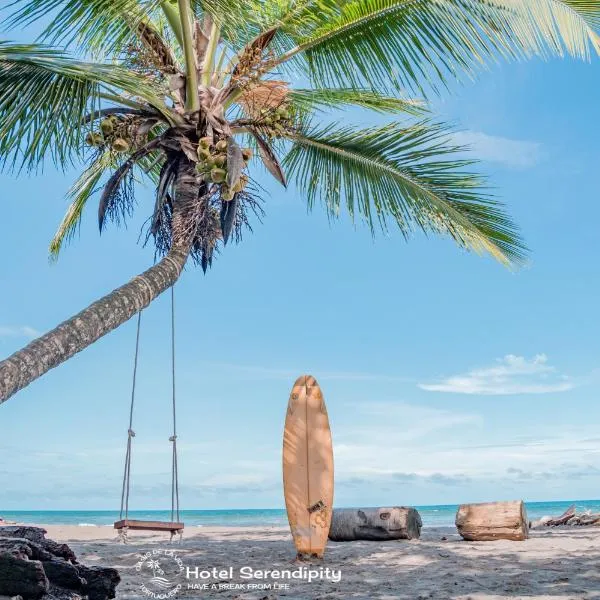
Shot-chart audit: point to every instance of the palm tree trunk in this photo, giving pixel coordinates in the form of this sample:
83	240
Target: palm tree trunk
106	314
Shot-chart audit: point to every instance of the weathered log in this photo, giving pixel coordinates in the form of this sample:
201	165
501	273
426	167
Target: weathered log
569	518
394	523
564	518
493	521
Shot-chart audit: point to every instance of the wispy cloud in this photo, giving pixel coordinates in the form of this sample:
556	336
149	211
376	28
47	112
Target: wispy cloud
519	154
18	331
258	372
510	375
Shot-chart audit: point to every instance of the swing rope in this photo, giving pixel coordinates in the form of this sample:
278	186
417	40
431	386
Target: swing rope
173	438
131	433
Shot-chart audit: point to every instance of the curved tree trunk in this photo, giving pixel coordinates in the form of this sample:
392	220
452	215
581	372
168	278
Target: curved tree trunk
106	314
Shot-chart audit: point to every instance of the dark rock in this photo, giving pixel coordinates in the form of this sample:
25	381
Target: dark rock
21	576
101	582
63	574
17	548
34	567
33	534
25	547
60	550
56	593
38	536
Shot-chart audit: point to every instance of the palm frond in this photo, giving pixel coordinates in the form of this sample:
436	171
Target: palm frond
416	44
238	21
332	98
412	175
81	191
95	25
45	98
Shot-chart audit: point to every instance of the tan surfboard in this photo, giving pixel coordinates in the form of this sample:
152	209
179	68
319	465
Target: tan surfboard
308	468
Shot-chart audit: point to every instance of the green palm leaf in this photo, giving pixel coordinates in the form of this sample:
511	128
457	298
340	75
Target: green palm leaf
418	42
96	25
45	96
411	174
80	193
310	99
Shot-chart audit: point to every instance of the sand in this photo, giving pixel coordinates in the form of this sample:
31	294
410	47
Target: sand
551	565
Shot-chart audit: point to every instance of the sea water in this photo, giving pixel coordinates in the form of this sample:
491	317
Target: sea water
432	516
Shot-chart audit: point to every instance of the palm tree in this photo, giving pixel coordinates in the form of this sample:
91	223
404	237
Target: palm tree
190	94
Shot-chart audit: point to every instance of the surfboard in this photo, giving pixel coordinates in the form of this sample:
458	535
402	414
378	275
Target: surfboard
308	468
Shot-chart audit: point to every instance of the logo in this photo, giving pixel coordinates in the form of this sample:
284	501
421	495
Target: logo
161	570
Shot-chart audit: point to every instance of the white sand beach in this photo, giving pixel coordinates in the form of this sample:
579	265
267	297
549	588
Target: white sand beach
556	564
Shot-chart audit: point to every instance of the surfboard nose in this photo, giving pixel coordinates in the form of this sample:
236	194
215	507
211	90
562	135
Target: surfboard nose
310	381
307	380
301	380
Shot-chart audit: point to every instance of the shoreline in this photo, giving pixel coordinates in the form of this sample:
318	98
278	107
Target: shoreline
441	515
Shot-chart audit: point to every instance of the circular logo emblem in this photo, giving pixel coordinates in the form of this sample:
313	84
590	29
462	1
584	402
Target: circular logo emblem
161	570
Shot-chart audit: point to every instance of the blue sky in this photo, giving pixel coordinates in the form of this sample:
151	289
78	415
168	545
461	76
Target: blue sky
447	377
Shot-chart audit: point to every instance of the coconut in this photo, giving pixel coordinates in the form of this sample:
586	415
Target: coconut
205	142
218	175
247	154
220	160
283	112
221	145
120	145
97	139
89	139
107	126
203	153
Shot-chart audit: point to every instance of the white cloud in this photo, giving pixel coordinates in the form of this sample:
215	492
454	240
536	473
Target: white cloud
513	153
18	331
511	375
403	422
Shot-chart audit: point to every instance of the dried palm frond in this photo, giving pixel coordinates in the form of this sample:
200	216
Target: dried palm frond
265	95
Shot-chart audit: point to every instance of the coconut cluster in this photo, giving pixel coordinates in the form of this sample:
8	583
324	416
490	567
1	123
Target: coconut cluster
212	166
114	133
276	121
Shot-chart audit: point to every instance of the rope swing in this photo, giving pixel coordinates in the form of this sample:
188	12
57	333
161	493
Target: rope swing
124	523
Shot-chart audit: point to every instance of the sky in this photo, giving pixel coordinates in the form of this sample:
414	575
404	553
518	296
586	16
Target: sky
447	377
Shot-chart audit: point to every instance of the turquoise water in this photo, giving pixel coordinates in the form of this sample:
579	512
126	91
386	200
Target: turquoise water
433	516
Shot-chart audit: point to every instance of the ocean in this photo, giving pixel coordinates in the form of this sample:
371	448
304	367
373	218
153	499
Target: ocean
432	516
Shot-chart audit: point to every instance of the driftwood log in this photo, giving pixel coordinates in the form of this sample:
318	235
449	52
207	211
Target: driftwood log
395	523
35	568
570	518
493	521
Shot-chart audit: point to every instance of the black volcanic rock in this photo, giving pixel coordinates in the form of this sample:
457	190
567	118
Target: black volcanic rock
101	582
36	568
21	576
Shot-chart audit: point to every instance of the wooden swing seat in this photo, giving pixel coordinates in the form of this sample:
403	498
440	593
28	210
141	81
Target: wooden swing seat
136	525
